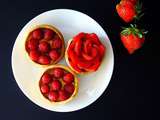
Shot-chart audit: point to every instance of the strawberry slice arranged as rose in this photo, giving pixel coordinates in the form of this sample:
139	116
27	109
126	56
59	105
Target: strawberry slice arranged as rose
129	10
85	52
132	38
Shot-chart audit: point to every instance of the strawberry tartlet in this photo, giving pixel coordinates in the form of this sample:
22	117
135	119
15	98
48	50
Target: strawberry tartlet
45	45
58	84
84	53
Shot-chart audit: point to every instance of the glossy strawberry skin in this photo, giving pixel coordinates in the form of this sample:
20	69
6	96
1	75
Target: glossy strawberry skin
46	78
69	88
34	55
132	42
56	85
63	95
54	55
44	60
57	72
126	10
53	96
68	78
48	34
44	89
56	43
37	34
43	47
32	44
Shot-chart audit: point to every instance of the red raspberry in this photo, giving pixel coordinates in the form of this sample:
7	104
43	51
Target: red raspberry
44	89
37	34
54	55
57	72
56	85
69	88
44	60
32	44
57	43
43	47
53	96
46	78
48	34
34	55
68	78
63	95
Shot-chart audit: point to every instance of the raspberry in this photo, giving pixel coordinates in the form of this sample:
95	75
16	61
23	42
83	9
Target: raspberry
37	34
54	55
32	44
34	55
57	72
44	60
53	96
69	88
46	78
57	43
56	85
48	34
43	47
63	95
44	89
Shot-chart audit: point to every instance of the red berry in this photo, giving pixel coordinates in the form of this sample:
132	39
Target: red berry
44	89
56	85
43	47
56	43
54	55
57	72
48	34
68	78
53	96
63	95
46	78
44	60
34	55
69	88
37	34
32	44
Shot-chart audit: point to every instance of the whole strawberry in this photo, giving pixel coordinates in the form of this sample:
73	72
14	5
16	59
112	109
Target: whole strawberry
132	38
129	10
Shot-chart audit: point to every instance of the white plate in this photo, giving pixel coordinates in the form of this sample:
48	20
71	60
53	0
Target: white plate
70	23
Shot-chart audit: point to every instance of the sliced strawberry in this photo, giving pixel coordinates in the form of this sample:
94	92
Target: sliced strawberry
78	45
87	57
94	52
95	39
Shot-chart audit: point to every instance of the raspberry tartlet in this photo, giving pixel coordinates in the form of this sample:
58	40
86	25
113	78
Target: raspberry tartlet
45	45
58	84
84	53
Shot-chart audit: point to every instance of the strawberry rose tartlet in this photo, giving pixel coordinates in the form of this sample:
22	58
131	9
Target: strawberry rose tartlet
84	53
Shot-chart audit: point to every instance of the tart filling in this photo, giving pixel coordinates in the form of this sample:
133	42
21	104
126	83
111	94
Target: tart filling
85	53
45	45
58	84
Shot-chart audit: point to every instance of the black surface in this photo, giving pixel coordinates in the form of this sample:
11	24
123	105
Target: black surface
129	94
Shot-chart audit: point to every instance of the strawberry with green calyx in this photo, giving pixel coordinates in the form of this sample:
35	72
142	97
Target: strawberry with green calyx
128	10
132	38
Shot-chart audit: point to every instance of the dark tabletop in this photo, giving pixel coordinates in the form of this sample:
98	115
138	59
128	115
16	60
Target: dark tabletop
129	94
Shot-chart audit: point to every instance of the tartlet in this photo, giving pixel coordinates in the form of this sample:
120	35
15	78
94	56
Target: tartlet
58	84
84	53
44	45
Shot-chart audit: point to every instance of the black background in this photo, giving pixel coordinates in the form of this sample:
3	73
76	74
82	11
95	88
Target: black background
129	94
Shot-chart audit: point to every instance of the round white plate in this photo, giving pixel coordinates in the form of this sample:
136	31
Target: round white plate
70	23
